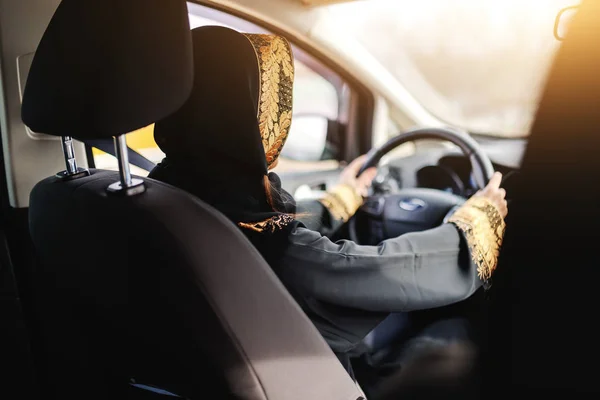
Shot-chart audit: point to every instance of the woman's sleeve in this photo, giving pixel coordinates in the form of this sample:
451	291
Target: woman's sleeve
414	271
329	213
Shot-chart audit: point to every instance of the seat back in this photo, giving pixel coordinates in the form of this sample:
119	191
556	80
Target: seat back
544	295
150	288
164	290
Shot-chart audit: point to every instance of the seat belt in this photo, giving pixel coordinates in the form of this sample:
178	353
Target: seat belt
107	145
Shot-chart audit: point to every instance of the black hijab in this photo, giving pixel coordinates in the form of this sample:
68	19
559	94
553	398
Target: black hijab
221	142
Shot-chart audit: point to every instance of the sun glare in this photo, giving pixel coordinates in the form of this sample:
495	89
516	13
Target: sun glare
479	64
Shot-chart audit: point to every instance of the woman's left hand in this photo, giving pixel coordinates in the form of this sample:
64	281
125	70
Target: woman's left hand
362	183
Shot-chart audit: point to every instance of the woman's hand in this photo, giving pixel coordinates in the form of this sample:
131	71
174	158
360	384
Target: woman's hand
494	193
363	182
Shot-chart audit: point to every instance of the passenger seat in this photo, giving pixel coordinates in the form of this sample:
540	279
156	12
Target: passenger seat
146	286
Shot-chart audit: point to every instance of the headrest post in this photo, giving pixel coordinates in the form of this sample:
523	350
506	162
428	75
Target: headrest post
72	171
123	160
69	153
127	185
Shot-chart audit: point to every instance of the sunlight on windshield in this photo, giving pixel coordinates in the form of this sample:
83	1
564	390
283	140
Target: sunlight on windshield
477	64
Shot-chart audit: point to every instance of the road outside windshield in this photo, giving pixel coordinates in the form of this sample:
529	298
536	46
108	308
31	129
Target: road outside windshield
477	64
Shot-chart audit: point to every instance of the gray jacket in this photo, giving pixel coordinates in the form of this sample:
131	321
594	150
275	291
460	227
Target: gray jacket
347	289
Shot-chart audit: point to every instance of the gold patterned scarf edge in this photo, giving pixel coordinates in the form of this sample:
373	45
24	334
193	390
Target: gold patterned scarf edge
276	72
270	225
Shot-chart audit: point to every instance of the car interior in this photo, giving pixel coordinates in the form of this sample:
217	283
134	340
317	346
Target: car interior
110	283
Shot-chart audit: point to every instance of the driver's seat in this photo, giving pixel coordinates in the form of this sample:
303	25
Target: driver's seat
147	290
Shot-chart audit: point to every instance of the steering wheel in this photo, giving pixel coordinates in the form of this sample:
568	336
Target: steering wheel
417	209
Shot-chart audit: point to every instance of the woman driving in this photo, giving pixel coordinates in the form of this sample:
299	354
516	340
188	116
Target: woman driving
220	146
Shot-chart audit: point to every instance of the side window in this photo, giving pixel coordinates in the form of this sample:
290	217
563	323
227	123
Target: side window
316	134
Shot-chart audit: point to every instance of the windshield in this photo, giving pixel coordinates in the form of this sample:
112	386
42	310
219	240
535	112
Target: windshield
475	64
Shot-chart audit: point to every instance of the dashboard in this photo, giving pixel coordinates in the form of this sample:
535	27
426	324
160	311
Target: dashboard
453	174
440	167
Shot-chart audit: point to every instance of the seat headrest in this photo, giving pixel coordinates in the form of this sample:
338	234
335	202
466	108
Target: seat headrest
108	67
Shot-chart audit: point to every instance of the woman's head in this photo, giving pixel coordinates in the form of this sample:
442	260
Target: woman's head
238	115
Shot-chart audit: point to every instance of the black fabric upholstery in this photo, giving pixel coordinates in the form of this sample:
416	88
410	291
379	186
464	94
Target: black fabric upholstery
161	288
158	288
108	67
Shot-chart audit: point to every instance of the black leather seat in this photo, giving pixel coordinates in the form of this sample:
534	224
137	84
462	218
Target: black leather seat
150	288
